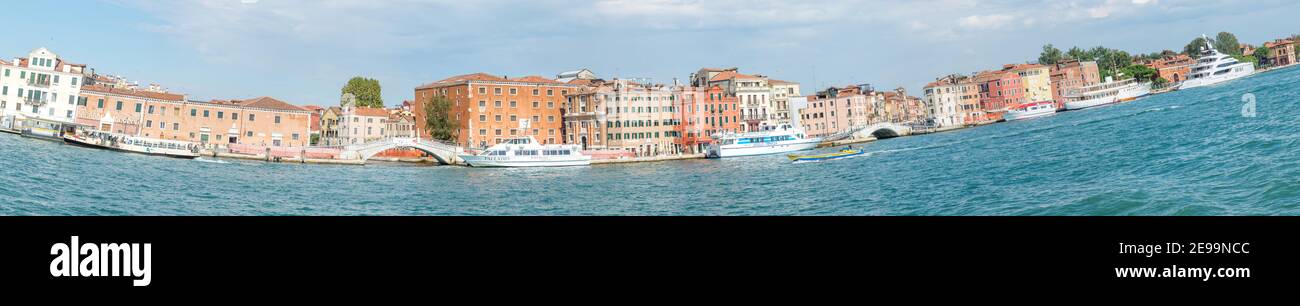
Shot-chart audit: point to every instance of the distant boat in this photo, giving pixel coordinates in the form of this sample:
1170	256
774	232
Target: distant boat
772	140
526	152
1214	67
846	153
1106	93
1030	110
141	145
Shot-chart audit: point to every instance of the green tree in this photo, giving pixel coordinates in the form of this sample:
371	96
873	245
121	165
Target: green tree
1227	43
1139	72
439	121
1078	54
1247	58
1262	54
1193	49
1159	82
1050	56
367	91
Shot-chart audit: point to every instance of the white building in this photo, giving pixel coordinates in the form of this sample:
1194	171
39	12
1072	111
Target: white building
943	103
753	95
782	92
40	93
358	125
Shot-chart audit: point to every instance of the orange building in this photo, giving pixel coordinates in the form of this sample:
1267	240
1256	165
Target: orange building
703	112
1071	75
262	121
491	109
1281	52
1172	68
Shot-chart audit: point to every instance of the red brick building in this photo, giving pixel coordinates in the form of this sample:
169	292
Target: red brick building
491	109
999	89
1072	74
1173	68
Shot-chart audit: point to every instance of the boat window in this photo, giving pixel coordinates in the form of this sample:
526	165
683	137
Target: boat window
527	153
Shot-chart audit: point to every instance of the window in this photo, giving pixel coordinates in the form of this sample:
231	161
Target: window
513	118
498	132
496	90
482	90
514	91
250	134
514	104
535	91
119	105
205	113
482	103
193	112
151	109
74	82
148	123
221	115
251	117
498	118
295	136
176	126
550	118
496	103
536	104
234	116
482	132
550	92
6	91
550	104
277	119
482	118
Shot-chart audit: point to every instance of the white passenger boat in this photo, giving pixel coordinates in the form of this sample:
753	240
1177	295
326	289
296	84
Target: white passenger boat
1030	110
526	152
772	140
1106	93
1214	67
124	143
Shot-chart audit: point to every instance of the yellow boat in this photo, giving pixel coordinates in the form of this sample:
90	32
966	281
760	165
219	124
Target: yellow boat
820	157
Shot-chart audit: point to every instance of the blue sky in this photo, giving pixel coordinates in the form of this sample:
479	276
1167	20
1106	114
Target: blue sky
303	51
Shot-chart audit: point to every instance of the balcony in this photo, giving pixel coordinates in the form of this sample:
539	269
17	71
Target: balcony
34	101
35	83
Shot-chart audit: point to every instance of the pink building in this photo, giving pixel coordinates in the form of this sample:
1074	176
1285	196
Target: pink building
837	110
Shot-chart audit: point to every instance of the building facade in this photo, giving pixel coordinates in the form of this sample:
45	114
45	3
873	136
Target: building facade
782	91
999	90
943	102
492	109
837	110
1070	75
701	113
623	115
40	90
1281	52
1036	80
262	121
1173	68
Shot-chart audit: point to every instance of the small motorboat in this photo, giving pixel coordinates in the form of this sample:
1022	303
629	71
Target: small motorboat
829	156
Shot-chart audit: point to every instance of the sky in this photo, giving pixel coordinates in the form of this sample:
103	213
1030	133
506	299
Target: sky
303	51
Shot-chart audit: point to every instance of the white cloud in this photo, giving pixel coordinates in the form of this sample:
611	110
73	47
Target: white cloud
991	21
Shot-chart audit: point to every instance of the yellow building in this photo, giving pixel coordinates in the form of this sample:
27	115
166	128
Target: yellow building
1037	80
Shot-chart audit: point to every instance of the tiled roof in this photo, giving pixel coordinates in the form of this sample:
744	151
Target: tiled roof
727	75
269	103
134	93
489	78
371	112
312	108
780	82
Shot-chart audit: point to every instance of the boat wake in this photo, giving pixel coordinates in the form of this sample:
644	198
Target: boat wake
830	160
211	161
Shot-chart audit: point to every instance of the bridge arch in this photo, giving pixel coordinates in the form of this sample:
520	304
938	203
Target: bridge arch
446	154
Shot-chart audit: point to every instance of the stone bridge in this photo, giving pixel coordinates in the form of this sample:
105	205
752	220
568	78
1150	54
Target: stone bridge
445	153
879	131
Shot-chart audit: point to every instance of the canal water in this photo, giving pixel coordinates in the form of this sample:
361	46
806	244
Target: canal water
1189	152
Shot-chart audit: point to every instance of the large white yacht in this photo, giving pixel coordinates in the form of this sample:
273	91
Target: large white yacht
1106	93
1214	67
771	140
527	152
